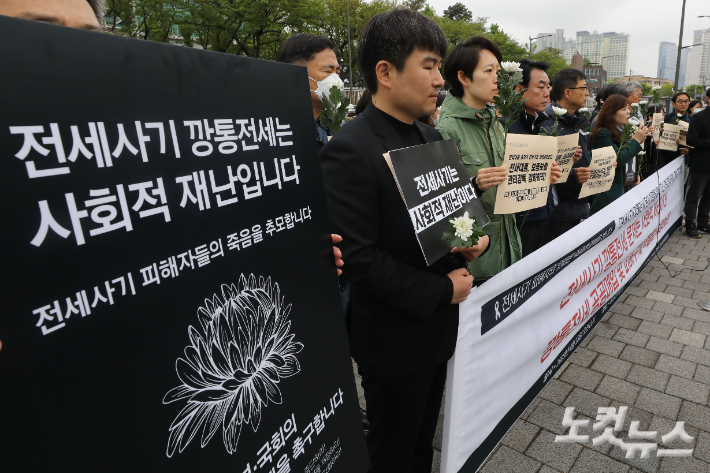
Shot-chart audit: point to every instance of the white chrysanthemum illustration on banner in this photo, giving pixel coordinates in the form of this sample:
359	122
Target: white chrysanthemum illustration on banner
233	366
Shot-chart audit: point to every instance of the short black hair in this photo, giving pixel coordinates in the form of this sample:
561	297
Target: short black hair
565	79
693	103
615	89
527	65
464	57
303	47
678	94
393	36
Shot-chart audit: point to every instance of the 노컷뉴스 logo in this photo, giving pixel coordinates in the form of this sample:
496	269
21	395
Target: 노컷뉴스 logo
608	415
233	365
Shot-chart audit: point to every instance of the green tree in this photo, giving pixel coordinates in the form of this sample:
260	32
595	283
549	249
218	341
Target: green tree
458	12
646	89
587	61
416	5
554	58
667	90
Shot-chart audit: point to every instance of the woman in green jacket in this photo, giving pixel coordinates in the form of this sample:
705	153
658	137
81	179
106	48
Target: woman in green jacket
468	119
607	132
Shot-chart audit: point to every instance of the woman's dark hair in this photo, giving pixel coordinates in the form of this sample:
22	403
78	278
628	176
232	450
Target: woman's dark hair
302	48
615	89
693	103
465	57
392	36
363	102
599	99
654	109
606	119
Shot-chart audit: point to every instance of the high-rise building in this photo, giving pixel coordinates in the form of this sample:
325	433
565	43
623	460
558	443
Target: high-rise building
697	70
667	55
551	40
611	50
667	60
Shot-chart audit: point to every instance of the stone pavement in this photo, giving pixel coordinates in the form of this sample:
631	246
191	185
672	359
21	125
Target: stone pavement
650	353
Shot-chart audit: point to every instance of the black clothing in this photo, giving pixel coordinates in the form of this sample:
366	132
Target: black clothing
401	324
531	236
559	228
699	191
570	207
699	138
403	412
669	156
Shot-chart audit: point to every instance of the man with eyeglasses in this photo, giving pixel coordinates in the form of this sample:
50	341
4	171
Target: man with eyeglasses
681	100
569	91
635	95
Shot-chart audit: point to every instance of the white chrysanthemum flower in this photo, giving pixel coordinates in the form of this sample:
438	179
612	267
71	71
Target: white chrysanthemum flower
559	111
463	226
679	114
634	105
510	66
656	87
634	122
641	153
643	102
232	368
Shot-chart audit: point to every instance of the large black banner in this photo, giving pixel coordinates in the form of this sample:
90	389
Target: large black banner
170	300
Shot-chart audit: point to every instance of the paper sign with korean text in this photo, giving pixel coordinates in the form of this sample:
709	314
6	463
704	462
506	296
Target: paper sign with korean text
566	147
602	175
528	159
150	320
671	133
683	133
657	120
435	187
545	306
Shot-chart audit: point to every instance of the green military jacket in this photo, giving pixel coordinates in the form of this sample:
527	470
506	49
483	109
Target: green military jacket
479	137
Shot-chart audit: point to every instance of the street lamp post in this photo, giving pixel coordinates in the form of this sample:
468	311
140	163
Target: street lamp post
680	47
531	40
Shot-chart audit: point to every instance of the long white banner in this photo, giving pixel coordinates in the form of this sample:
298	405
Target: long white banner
517	330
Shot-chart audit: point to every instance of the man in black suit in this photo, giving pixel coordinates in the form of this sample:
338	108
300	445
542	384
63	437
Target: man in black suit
403	315
699	191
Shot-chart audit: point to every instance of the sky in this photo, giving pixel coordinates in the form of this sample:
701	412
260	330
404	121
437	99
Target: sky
647	21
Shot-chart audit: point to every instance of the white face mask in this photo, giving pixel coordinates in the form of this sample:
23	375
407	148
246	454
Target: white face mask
324	86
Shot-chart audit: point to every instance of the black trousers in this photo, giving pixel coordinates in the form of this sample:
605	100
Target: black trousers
531	236
698	191
403	412
554	229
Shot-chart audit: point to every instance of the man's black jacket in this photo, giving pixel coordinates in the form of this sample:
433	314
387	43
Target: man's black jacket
699	138
669	156
400	320
570	207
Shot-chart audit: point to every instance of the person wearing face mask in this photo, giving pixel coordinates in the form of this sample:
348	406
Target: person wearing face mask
607	132
468	119
318	55
695	106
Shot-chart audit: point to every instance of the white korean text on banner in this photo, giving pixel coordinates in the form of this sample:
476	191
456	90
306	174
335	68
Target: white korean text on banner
518	328
170	298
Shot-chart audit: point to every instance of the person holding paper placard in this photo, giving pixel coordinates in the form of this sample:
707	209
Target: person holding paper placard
652	161
403	316
466	117
699	177
531	223
681	101
569	92
607	132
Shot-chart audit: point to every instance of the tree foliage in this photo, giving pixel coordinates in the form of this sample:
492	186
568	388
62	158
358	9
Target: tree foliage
554	58
256	28
646	89
458	12
667	90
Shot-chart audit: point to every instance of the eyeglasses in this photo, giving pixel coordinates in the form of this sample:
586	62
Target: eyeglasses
585	87
682	102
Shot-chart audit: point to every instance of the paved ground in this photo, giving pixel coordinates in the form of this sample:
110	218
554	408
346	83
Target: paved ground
650	353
